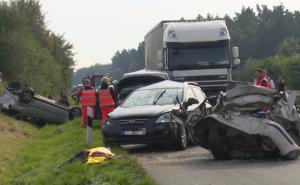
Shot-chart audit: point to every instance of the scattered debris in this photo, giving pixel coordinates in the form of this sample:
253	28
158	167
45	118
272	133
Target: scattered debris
91	156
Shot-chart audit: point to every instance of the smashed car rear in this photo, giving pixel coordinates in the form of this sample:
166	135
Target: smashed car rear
238	129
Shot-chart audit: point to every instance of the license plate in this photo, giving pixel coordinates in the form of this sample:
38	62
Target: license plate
135	132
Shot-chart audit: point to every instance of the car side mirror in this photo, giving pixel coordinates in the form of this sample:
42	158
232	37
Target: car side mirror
191	101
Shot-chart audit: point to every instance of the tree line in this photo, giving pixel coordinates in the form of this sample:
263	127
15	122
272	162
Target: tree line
30	52
259	33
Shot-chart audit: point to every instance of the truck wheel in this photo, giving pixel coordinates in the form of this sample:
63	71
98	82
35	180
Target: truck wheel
181	142
217	144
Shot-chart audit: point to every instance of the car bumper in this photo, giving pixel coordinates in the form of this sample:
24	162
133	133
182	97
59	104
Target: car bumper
154	133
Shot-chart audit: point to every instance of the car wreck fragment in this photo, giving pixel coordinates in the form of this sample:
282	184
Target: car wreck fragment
237	128
22	102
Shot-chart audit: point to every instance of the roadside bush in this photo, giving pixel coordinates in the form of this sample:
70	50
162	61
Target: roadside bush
286	67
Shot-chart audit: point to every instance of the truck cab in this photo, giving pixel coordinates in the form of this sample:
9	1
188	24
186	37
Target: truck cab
192	51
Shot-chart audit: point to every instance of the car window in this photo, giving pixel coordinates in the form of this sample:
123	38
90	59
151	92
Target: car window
199	94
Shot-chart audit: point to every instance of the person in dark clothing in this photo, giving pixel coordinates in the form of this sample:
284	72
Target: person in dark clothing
281	85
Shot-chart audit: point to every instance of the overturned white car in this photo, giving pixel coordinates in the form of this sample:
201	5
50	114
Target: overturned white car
237	129
23	103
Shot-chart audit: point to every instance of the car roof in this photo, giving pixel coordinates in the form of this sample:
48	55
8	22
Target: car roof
164	84
144	72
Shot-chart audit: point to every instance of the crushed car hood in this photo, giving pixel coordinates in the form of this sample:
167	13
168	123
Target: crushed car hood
148	111
247	98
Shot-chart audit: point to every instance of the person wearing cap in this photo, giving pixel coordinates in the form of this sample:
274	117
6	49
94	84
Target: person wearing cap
106	98
87	99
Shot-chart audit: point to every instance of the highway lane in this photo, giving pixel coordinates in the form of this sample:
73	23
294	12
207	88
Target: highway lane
196	166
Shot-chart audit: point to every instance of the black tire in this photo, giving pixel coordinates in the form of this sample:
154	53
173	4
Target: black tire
26	96
217	144
110	145
181	141
292	155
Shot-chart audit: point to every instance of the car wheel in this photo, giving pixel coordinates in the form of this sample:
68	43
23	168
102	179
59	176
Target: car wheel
217	144
181	142
27	95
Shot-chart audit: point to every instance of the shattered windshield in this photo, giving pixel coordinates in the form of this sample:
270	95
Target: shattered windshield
153	97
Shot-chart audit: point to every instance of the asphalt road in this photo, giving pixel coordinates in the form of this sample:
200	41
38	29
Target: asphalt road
195	166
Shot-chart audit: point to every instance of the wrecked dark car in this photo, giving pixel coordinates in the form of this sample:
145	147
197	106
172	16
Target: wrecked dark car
237	128
134	80
145	116
23	103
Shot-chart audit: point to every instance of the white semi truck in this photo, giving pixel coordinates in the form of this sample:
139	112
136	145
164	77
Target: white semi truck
192	51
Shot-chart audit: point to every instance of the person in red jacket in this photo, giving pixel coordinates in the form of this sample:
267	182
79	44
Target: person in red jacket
88	99
106	98
261	78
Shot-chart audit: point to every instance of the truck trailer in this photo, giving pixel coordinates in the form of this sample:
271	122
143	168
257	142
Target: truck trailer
192	51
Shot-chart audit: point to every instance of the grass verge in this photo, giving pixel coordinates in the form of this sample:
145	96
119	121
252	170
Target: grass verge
37	164
14	136
2	88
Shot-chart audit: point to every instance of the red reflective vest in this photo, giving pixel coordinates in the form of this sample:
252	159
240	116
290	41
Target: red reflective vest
88	97
105	98
263	82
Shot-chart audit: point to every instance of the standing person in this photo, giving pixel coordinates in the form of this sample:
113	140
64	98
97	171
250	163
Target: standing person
261	79
281	84
270	80
106	98
88	99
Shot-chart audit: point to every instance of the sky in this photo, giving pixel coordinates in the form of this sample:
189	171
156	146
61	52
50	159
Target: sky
99	28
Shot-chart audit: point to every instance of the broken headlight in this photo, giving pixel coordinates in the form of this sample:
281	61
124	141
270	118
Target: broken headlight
165	118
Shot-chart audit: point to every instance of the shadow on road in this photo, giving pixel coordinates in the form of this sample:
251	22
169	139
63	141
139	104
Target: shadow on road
144	149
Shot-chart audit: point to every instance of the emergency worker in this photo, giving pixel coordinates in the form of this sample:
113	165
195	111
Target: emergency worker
106	98
261	78
88	99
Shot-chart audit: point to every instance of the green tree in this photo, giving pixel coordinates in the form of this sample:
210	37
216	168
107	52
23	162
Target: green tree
289	47
29	52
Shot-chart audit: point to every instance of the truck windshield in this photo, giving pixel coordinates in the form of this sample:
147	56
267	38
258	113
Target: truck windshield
198	57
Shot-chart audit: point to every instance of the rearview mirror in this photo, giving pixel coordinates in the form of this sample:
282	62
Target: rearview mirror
236	62
235	52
